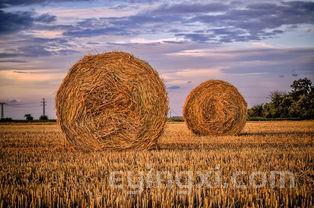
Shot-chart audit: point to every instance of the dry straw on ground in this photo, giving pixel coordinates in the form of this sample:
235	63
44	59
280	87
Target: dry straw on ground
215	108
112	101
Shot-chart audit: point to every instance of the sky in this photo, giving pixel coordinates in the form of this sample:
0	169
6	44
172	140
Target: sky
257	45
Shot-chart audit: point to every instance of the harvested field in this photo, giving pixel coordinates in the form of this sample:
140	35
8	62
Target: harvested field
39	169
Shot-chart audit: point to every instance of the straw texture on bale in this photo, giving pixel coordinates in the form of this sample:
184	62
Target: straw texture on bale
112	101
215	107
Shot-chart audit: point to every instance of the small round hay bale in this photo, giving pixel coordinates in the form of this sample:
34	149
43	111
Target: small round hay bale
112	101
215	108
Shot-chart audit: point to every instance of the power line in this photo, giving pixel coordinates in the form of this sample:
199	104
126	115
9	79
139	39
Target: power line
21	104
2	110
44	106
24	107
172	113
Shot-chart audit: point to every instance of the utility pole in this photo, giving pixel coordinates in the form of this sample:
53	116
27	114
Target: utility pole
2	111
44	106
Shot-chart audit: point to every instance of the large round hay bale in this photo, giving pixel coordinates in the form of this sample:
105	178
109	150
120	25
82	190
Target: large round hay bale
215	108
112	101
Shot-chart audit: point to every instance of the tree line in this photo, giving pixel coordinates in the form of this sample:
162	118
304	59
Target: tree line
298	103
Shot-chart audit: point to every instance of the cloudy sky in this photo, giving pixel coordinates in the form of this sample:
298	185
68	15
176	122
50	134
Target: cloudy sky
257	45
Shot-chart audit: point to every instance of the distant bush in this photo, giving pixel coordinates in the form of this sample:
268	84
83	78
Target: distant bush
5	119
271	119
43	118
176	119
28	117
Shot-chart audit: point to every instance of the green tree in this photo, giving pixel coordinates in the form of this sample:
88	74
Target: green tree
298	103
279	105
286	104
303	99
256	111
267	111
301	87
